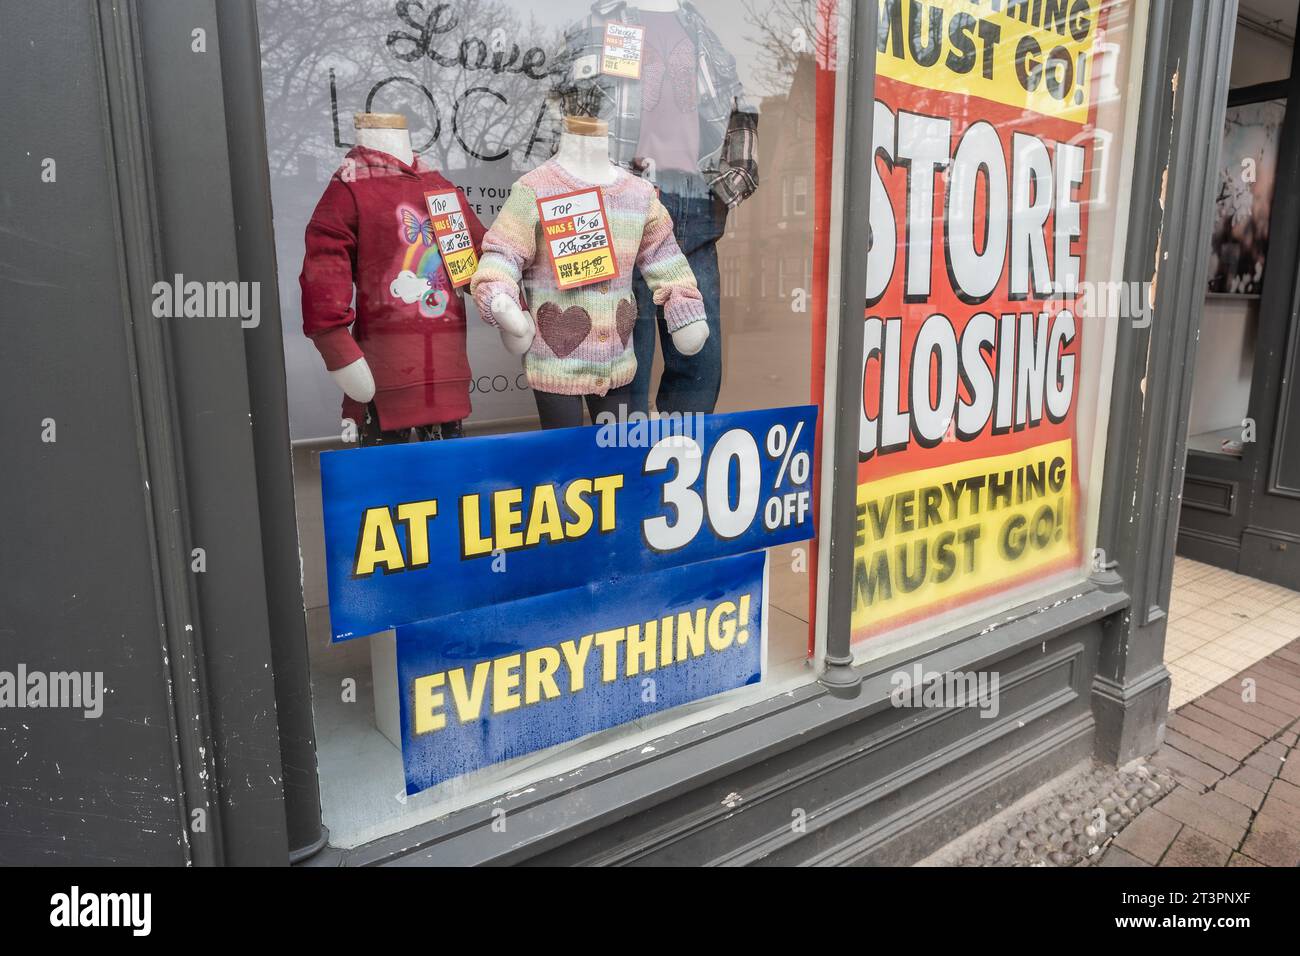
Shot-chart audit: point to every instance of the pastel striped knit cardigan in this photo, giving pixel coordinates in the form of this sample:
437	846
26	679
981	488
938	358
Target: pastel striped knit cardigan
583	344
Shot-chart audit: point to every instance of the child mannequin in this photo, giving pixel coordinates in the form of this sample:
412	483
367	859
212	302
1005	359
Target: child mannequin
581	354
584	153
356	380
377	301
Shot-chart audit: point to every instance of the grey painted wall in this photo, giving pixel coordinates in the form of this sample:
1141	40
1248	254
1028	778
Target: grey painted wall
79	589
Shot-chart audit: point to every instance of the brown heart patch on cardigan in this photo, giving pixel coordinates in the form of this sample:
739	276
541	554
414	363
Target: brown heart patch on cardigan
563	330
625	319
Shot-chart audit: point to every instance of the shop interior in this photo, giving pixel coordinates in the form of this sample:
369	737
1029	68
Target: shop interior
1238	512
1226	357
1236	573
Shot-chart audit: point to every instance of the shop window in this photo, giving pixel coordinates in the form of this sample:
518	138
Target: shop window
735	221
439	326
798	196
998	225
1106	63
731	278
794	196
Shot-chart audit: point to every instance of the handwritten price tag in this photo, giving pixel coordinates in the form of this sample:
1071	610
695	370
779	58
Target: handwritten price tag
622	52
577	233
454	241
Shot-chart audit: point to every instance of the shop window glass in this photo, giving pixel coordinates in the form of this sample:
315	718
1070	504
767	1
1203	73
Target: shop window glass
1003	147
721	125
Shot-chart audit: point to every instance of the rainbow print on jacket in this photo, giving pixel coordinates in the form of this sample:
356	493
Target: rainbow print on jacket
420	277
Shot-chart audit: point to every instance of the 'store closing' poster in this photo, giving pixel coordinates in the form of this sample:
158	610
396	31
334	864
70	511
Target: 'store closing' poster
968	459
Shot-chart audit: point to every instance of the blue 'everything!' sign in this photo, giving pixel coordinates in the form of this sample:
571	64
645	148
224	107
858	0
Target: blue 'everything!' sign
507	679
417	531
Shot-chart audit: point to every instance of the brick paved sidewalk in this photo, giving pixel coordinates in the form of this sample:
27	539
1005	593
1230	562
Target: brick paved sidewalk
1235	758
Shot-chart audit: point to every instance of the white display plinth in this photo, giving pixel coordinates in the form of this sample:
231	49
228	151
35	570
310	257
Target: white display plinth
383	675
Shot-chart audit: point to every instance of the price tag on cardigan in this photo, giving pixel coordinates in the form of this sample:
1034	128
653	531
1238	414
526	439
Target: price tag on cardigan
454	241
576	231
621	55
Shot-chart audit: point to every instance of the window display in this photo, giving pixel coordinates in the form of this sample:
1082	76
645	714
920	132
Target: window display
601	155
616	267
554	227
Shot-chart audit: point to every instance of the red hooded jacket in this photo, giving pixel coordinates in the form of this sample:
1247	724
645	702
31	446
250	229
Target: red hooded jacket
371	232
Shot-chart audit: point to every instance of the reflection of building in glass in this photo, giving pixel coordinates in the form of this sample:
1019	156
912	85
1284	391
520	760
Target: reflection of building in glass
767	249
1096	145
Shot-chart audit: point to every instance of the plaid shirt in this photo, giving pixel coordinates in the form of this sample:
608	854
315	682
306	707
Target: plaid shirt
728	124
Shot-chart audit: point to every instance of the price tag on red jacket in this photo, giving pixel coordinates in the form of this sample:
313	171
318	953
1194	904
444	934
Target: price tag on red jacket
454	241
576	231
621	55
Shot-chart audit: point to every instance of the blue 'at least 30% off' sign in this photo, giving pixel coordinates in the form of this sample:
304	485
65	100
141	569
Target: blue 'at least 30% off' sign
420	530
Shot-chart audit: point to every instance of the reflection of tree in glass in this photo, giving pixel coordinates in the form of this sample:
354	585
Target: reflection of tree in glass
790	32
486	69
578	97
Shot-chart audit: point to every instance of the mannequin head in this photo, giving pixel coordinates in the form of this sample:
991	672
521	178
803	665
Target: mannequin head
385	132
584	149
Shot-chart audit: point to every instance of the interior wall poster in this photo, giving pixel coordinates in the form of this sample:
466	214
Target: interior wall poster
1247	176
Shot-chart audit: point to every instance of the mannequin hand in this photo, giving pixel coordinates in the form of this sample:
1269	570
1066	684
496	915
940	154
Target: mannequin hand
517	344
510	318
356	381
689	339
516	326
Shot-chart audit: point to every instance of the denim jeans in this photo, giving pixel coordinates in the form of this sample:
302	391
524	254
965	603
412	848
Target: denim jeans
690	383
